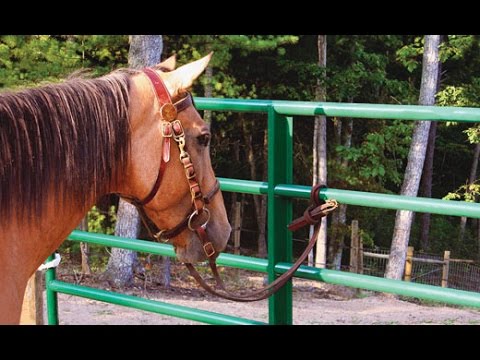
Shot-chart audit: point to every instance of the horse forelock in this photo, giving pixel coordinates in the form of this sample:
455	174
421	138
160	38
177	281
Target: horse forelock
72	136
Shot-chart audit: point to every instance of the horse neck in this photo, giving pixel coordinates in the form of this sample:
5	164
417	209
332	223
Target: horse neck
26	244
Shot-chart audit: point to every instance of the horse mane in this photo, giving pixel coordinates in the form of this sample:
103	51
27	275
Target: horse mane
74	136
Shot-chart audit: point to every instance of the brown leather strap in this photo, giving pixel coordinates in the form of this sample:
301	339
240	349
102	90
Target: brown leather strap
160	89
184	102
312	216
180	105
156	186
165	235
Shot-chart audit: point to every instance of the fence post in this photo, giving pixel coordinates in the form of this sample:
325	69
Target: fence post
446	267
52	301
32	308
280	171
237	225
360	254
409	264
354	248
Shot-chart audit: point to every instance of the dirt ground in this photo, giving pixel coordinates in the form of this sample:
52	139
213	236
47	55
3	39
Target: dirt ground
314	303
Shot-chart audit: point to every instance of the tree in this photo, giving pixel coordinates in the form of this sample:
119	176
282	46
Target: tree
320	150
145	50
416	157
427	175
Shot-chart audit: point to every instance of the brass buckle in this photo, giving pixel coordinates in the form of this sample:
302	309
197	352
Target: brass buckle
168	111
187	171
158	236
167	133
195	195
211	248
330	205
181	133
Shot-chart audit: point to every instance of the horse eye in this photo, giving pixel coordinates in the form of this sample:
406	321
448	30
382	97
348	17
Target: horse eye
204	139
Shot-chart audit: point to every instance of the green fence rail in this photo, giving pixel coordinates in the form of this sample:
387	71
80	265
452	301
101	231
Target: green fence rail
280	190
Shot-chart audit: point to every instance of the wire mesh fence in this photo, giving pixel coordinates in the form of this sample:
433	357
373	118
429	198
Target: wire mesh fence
464	276
428	269
373	264
427	272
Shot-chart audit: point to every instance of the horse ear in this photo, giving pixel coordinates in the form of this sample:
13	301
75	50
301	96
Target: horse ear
168	64
183	77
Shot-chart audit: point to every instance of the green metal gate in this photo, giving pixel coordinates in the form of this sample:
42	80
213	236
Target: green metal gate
280	191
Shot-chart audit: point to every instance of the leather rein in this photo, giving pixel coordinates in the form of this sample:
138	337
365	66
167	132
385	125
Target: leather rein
197	220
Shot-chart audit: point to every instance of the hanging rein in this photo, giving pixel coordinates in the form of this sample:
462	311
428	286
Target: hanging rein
198	217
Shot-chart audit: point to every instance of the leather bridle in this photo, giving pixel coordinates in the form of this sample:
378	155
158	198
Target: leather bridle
197	219
172	129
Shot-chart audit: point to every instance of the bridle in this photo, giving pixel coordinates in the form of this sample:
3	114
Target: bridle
172	128
199	216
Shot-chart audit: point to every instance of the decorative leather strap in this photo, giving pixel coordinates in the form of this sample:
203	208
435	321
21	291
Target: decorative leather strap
176	230
160	89
163	95
156	186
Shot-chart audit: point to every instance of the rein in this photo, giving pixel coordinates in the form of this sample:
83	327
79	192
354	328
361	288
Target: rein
197	220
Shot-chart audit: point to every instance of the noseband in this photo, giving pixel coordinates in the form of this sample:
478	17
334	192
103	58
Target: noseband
199	216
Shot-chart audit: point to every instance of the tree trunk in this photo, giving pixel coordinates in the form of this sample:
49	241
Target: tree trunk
416	158
426	185
145	50
471	180
233	195
478	242
121	262
262	214
427	176
320	151
84	248
207	90
339	238
258	200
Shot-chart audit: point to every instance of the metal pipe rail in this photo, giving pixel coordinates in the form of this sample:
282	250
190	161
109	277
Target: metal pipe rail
427	292
360	198
365	111
154	306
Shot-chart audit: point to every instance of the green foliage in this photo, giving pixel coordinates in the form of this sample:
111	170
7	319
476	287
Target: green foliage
26	60
367	239
379	157
102	222
467	192
473	134
410	55
369	69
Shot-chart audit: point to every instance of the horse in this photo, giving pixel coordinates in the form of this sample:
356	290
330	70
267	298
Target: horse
65	145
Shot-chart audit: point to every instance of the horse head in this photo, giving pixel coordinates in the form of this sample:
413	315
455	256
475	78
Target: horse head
169	174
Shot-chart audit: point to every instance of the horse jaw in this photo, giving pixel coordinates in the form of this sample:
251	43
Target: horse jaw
193	252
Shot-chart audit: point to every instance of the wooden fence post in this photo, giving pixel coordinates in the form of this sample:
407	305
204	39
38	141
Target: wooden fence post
32	308
360	254
409	264
237	225
446	267
354	248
